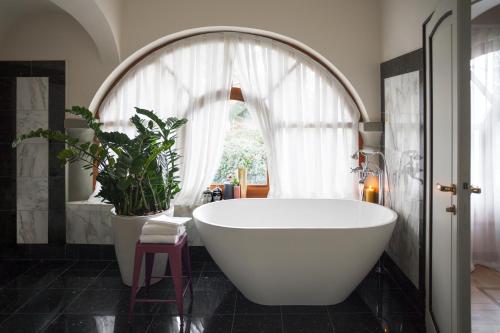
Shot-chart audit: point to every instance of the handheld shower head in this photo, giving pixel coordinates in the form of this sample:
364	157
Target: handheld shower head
364	151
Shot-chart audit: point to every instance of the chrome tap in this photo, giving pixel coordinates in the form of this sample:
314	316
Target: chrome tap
370	168
363	172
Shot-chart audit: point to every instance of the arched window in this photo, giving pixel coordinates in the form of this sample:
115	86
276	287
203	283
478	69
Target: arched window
308	118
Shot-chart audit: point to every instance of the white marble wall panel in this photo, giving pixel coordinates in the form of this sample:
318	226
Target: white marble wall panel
32	193
32	161
28	120
402	149
31	226
32	93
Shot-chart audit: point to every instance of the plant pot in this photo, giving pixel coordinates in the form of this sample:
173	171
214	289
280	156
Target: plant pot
126	231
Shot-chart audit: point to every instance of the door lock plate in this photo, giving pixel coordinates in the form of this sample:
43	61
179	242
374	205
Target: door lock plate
447	188
452	209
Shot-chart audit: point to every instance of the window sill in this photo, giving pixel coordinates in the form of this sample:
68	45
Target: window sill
253	191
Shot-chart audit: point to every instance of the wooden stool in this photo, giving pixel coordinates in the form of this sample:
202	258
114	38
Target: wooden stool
177	254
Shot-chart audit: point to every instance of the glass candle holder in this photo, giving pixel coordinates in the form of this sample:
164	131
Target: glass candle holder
371	194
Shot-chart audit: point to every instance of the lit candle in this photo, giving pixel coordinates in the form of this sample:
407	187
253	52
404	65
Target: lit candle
371	195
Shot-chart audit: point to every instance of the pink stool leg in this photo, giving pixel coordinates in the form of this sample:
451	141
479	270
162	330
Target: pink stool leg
176	268
150	257
187	260
135	280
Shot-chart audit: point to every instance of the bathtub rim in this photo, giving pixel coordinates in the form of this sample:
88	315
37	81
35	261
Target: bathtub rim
389	221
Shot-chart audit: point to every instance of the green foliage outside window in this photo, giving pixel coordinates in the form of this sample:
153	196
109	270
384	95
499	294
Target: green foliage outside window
243	147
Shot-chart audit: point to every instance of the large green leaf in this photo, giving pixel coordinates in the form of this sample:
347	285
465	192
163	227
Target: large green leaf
137	175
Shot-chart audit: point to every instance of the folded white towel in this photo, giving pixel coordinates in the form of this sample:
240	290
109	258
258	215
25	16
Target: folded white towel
155	229
159	239
165	220
163	228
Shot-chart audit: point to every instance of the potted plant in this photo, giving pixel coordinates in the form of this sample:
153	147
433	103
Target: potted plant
138	176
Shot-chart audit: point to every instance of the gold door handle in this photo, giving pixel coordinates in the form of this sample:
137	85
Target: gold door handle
474	189
452	209
443	188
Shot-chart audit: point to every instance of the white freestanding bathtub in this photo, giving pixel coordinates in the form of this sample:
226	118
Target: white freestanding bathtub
295	251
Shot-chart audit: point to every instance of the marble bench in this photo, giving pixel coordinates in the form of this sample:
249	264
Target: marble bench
89	222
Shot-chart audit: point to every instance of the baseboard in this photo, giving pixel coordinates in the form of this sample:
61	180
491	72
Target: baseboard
75	252
66	251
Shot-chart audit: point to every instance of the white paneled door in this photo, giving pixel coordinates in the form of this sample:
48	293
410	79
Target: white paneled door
447	56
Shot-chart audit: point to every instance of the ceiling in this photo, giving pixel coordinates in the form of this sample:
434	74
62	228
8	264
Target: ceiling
92	15
13	10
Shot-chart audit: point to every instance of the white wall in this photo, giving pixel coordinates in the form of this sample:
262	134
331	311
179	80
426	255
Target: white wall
54	35
346	32
401	25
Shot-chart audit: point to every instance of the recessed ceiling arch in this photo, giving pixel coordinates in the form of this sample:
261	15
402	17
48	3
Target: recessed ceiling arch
97	24
142	53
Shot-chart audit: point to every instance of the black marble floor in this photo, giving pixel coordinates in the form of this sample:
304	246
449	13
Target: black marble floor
88	296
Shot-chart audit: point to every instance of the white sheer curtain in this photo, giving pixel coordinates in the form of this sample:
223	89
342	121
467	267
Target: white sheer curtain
308	120
485	146
190	78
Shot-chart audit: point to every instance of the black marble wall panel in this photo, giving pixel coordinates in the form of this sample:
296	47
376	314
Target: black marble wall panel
9	72
404	77
7	158
55	71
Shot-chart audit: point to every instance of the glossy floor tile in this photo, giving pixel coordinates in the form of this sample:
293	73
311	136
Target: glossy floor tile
307	323
49	301
263	323
88	296
98	324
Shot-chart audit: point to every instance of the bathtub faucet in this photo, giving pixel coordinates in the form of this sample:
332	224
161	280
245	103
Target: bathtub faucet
362	172
370	168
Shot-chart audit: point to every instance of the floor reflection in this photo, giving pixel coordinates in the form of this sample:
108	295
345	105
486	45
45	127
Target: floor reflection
88	296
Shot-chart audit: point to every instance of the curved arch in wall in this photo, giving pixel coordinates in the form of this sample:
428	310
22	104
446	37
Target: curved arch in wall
140	54
96	23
